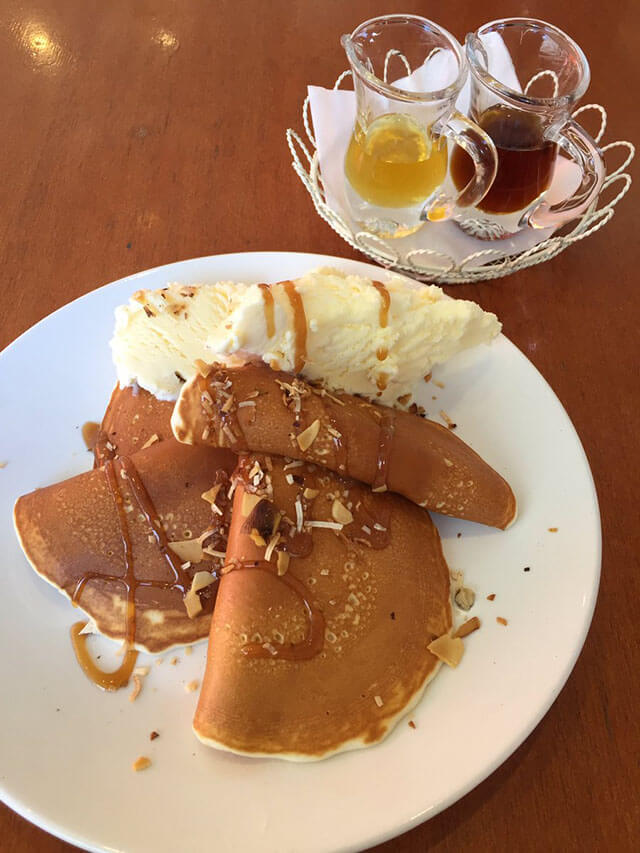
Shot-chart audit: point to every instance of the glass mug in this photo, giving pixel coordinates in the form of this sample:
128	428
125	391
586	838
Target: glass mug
396	165
526	77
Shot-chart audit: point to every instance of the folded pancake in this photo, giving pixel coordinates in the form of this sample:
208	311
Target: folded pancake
134	419
103	538
266	411
328	601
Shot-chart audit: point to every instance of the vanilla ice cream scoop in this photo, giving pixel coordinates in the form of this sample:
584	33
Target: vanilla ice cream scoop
349	332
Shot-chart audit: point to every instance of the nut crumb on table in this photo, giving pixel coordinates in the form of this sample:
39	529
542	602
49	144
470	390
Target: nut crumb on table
501	620
141	763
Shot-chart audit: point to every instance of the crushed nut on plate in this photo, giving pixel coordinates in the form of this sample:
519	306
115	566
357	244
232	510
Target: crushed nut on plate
141	763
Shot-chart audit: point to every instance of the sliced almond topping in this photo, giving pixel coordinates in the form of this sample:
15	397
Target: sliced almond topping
141	763
137	687
211	495
468	627
249	502
447	649
188	550
283	562
228	404
308	436
271	546
310	494
378	701
192	602
150	441
340	513
256	538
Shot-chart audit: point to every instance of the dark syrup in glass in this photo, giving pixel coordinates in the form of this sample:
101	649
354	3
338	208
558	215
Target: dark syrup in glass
525	160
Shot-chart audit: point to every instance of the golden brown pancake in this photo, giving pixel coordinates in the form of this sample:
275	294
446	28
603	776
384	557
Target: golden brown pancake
134	418
266	411
325	651
75	535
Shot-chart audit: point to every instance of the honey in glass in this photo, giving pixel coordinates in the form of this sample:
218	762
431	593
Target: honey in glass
395	163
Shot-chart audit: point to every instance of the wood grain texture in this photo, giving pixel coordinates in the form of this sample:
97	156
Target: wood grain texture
148	132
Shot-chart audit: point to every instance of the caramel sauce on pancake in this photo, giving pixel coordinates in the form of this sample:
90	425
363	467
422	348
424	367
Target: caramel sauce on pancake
385	304
314	641
123	469
385	441
97	441
299	325
269	317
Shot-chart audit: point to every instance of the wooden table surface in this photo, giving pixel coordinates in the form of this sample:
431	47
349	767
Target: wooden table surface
138	133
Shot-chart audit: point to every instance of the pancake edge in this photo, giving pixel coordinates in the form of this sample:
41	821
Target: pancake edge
348	746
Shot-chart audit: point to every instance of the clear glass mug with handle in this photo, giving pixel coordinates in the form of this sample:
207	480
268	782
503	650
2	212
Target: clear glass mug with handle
526	78
397	162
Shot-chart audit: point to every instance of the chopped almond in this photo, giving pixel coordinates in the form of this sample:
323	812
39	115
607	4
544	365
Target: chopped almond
150	441
308	436
491	597
211	495
256	538
468	627
501	620
137	687
310	494
447	649
249	502
141	763
283	562
192	686
340	513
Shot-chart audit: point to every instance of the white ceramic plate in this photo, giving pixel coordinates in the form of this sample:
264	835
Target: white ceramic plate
66	748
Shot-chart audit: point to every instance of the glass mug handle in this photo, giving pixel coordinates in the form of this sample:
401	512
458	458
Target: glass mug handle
479	146
573	139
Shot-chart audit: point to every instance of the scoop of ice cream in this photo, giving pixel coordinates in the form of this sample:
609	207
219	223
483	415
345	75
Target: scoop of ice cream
364	337
159	334
349	332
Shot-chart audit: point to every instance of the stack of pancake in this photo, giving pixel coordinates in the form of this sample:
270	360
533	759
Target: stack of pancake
287	523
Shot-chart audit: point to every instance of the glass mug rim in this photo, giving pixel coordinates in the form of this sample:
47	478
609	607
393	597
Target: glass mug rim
446	94
473	46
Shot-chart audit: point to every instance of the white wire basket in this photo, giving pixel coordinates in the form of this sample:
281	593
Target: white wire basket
439	267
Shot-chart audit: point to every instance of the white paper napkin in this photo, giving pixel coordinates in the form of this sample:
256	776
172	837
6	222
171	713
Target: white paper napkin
333	114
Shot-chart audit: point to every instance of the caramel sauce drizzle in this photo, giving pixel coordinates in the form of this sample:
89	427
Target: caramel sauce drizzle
106	680
313	643
339	442
124	469
386	302
299	325
269	316
385	440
